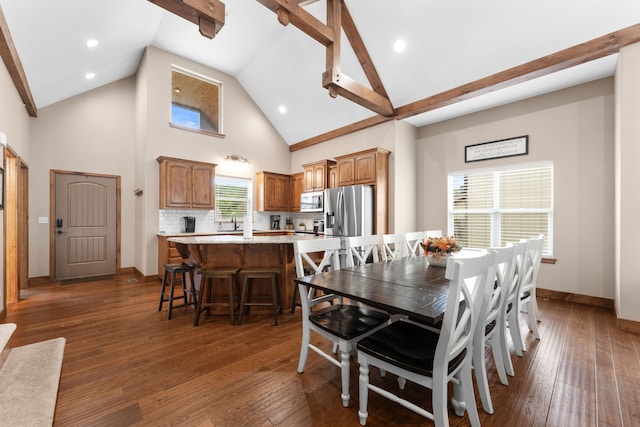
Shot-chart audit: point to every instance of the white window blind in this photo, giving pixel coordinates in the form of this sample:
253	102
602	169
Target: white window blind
233	197
493	207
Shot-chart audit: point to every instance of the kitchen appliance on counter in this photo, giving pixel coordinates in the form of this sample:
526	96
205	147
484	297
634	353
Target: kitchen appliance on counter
312	201
289	224
318	226
274	220
189	224
348	211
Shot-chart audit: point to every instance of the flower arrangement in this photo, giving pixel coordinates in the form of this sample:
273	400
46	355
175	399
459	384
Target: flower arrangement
439	246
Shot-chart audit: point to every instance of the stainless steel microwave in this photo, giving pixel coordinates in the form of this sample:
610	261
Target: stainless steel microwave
312	202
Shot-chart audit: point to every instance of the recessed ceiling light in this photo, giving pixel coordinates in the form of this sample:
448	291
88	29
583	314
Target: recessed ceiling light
89	76
92	43
399	46
282	109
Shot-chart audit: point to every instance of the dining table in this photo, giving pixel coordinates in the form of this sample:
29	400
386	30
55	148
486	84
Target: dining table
406	286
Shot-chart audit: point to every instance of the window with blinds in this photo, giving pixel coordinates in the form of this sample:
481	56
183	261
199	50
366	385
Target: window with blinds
493	207
232	197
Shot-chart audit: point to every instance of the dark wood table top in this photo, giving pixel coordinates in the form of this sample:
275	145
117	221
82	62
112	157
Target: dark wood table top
406	286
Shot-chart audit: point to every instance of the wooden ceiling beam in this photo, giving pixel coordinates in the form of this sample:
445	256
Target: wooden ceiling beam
11	60
351	31
300	18
597	48
208	15
339	83
594	49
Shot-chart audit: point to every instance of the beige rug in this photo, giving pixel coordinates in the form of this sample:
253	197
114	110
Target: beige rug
29	381
6	330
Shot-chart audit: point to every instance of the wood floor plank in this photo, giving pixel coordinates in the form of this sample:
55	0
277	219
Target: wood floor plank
126	364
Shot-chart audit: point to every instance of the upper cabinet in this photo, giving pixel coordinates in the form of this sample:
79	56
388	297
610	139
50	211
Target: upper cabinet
333	176
364	167
186	184
297	188
272	191
316	175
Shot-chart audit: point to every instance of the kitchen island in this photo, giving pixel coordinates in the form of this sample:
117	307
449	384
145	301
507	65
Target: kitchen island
241	252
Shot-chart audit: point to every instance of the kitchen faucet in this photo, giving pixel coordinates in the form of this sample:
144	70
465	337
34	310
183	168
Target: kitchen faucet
235	223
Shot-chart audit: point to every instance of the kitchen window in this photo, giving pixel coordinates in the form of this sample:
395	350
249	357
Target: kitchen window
233	197
195	102
491	207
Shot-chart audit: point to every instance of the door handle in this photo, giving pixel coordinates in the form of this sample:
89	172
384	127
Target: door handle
60	231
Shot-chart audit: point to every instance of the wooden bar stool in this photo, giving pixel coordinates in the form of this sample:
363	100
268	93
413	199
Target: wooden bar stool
246	275
208	274
173	269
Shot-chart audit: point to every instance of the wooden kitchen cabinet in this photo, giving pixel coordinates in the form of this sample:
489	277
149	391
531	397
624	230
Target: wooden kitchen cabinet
364	167
316	175
333	176
297	188
186	184
272	191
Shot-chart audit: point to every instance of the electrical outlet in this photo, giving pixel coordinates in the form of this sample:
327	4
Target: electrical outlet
43	220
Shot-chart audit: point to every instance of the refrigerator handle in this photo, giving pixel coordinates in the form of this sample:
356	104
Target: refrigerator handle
340	210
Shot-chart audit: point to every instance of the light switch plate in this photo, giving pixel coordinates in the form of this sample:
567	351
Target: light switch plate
43	220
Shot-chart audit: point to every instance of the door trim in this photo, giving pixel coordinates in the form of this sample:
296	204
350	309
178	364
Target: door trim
52	214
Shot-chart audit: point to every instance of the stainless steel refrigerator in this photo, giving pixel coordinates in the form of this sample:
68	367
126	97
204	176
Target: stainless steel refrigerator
348	211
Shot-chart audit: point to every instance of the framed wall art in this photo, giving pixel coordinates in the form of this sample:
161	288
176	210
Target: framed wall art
518	146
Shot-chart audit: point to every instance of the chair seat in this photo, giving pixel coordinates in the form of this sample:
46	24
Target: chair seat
347	321
408	346
218	272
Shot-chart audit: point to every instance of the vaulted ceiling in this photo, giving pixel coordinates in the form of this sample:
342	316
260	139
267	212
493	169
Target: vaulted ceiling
454	63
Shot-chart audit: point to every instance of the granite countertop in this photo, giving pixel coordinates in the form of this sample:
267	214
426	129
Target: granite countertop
226	239
219	233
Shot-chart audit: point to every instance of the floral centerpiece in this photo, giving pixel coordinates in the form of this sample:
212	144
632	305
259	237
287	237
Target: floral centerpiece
437	249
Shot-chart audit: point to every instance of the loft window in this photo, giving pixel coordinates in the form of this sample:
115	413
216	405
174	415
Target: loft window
492	207
195	102
233	197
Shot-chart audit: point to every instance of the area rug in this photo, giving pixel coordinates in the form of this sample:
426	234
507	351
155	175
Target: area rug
29	381
6	330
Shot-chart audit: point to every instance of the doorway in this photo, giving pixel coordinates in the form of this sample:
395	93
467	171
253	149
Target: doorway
85	225
16	208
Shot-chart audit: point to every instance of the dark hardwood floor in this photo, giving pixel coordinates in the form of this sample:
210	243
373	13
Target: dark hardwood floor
126	364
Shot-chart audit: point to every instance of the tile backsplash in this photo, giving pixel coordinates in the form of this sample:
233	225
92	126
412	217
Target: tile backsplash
171	220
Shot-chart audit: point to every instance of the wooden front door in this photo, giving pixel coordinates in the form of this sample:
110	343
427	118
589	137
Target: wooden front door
84	226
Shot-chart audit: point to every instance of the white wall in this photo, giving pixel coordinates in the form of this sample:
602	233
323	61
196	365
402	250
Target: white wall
627	289
93	133
247	133
574	128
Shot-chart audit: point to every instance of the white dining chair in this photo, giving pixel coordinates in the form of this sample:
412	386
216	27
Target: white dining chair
341	324
528	300
394	246
413	240
430	359
361	249
432	233
529	256
491	328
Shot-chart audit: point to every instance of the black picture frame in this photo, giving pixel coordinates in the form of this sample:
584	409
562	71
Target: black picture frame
510	147
1	188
